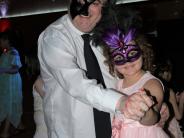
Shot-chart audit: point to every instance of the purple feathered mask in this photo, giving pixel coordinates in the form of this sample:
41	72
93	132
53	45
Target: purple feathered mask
122	51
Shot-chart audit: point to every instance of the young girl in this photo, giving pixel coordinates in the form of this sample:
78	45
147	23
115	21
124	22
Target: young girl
125	55
38	94
32	68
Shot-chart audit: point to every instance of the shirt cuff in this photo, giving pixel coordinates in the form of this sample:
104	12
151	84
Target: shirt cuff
112	100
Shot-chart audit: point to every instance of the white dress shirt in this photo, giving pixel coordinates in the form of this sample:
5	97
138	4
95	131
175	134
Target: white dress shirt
70	96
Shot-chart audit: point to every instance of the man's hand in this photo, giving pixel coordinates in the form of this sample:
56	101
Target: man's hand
135	105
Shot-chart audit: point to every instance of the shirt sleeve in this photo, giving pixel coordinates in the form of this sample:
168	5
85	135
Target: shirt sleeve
60	60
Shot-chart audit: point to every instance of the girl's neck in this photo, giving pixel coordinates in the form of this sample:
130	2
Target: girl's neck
132	79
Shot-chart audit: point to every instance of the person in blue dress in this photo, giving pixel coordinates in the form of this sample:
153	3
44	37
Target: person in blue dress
10	85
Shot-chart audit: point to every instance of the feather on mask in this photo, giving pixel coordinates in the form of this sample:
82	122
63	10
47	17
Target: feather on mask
121	48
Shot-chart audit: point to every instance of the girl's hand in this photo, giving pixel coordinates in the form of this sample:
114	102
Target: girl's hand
181	96
177	96
164	115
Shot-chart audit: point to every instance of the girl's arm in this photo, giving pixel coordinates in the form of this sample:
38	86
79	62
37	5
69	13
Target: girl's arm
155	89
14	68
177	107
181	104
164	115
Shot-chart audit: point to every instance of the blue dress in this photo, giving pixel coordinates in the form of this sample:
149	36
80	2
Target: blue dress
10	89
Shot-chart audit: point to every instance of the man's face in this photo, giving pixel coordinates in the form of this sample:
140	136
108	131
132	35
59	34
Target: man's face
86	23
79	7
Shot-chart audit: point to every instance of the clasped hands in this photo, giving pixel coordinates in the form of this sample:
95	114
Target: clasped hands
136	105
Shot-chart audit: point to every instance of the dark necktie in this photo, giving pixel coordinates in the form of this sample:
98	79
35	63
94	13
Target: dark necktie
101	119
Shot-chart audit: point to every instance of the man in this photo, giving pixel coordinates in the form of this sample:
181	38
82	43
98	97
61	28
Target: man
70	95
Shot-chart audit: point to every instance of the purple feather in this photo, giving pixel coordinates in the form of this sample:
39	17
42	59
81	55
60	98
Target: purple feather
129	36
114	38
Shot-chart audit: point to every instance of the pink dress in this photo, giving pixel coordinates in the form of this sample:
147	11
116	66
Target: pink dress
174	128
127	128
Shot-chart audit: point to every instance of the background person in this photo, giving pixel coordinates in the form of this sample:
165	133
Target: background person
33	69
10	84
38	94
176	107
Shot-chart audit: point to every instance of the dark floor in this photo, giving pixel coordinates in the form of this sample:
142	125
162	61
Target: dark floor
29	126
27	116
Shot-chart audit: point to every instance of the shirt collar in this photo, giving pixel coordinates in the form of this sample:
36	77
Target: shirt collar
69	20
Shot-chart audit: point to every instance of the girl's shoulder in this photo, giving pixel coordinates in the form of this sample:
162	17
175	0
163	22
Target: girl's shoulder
153	83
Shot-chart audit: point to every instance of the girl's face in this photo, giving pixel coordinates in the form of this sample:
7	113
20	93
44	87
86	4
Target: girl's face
129	52
130	68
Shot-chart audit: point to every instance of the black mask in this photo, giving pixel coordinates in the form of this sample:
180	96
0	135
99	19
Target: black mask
76	8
